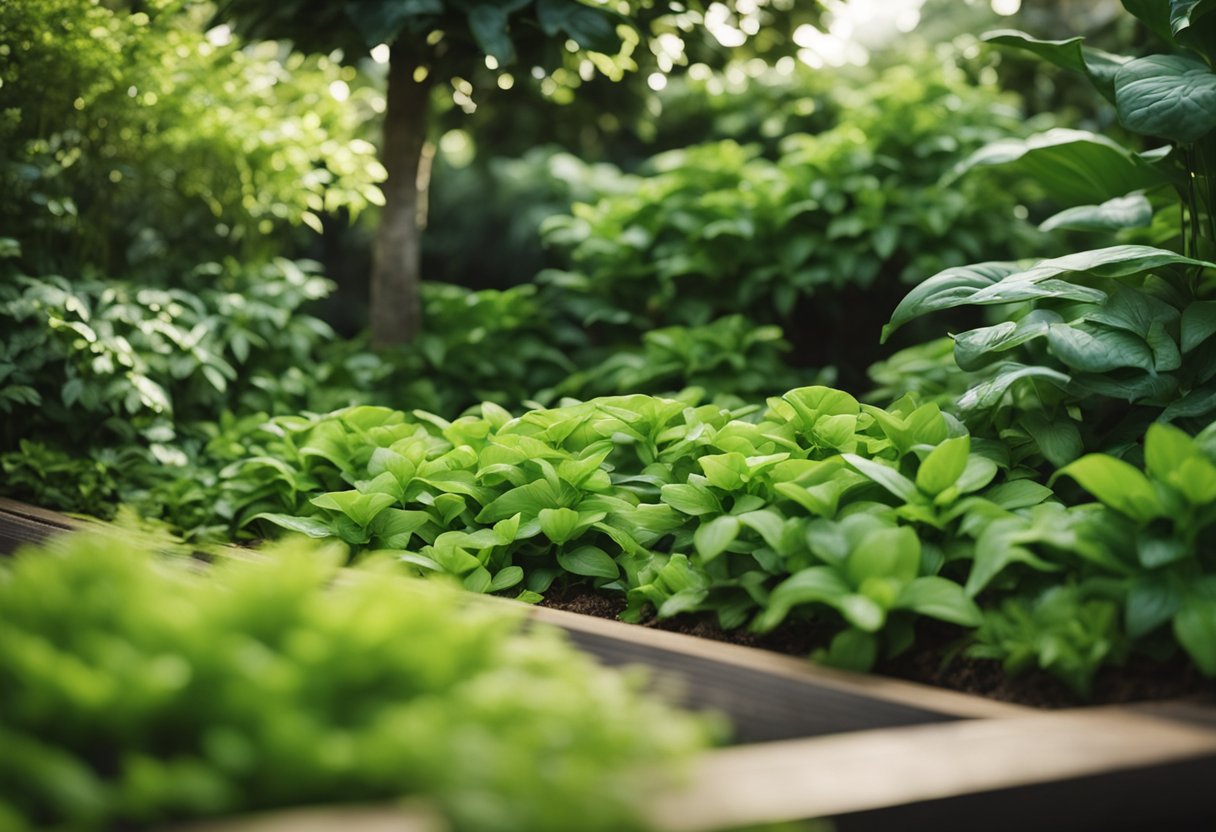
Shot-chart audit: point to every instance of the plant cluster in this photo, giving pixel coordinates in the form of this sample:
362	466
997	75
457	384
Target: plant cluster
140	692
134	144
718	228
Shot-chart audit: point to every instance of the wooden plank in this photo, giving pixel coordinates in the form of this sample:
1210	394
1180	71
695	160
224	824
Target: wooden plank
412	818
871	770
21	524
766	695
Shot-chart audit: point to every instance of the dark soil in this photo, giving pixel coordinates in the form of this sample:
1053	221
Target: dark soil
934	660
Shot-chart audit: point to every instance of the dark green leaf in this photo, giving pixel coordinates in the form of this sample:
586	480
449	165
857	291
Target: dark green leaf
1168	96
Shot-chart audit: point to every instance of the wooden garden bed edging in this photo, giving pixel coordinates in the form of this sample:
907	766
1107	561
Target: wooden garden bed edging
873	753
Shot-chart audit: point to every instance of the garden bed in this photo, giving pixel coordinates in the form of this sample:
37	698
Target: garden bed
869	751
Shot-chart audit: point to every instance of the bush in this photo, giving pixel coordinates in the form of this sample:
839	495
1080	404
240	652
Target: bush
140	692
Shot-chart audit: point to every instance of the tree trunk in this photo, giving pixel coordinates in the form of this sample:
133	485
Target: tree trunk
396	301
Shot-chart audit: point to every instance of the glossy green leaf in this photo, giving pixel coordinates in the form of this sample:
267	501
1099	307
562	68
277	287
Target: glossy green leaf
1097	65
1117	484
1198	324
1092	348
1131	211
1167	95
989	393
310	526
1076	167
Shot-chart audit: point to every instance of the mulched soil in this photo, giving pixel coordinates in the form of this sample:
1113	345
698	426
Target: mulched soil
934	660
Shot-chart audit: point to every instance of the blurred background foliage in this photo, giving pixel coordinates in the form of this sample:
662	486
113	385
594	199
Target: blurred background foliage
187	216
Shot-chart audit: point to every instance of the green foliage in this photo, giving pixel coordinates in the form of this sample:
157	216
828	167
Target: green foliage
727	357
1167	516
140	692
718	229
680	507
1097	344
1069	631
135	145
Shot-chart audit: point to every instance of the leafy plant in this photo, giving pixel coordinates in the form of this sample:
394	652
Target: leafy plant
719	229
679	507
1100	343
1069	631
266	683
1164	518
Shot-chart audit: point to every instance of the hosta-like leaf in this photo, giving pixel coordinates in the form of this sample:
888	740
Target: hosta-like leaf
993	283
1071	54
1198	324
989	393
976	347
1097	349
1131	211
1074	166
1167	95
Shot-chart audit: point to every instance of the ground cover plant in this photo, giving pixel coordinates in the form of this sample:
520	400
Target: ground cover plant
859	519
139	691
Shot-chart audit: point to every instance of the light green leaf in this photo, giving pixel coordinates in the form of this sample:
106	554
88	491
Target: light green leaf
1117	484
884	475
559	524
712	538
690	499
943	466
506	578
359	507
588	561
1167	95
817	583
885	553
1195	629
310	526
941	599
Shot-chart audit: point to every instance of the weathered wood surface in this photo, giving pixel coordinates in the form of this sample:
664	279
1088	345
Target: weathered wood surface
1094	768
766	695
21	524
